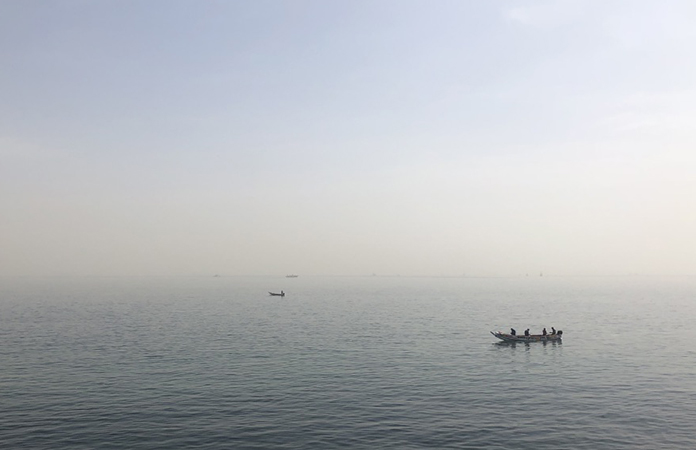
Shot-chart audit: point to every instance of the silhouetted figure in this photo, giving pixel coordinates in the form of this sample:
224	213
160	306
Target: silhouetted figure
513	332
553	331
543	332
526	332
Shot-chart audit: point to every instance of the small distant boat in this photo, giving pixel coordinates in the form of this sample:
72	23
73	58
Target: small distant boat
531	338
278	294
290	276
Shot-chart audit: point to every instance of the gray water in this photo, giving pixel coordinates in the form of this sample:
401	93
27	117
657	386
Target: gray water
363	363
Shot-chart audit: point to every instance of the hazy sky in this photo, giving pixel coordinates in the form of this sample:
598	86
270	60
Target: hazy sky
354	137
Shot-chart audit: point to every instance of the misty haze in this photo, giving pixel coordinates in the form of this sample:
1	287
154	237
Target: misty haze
295	224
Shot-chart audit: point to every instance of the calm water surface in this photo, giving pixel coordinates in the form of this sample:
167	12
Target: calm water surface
364	363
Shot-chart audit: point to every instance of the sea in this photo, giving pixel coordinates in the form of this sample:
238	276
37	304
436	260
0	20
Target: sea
346	362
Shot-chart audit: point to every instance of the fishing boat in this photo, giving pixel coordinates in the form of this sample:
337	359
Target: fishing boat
278	294
531	338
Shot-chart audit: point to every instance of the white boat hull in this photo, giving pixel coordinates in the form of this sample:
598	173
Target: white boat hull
531	338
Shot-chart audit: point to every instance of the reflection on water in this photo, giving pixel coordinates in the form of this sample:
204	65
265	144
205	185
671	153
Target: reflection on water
527	344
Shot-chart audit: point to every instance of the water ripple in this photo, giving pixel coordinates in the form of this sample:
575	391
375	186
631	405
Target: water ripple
213	364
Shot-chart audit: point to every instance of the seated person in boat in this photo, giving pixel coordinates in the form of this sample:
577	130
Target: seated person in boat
553	331
543	332
513	332
526	332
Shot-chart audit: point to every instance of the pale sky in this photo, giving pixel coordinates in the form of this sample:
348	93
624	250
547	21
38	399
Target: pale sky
486	138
